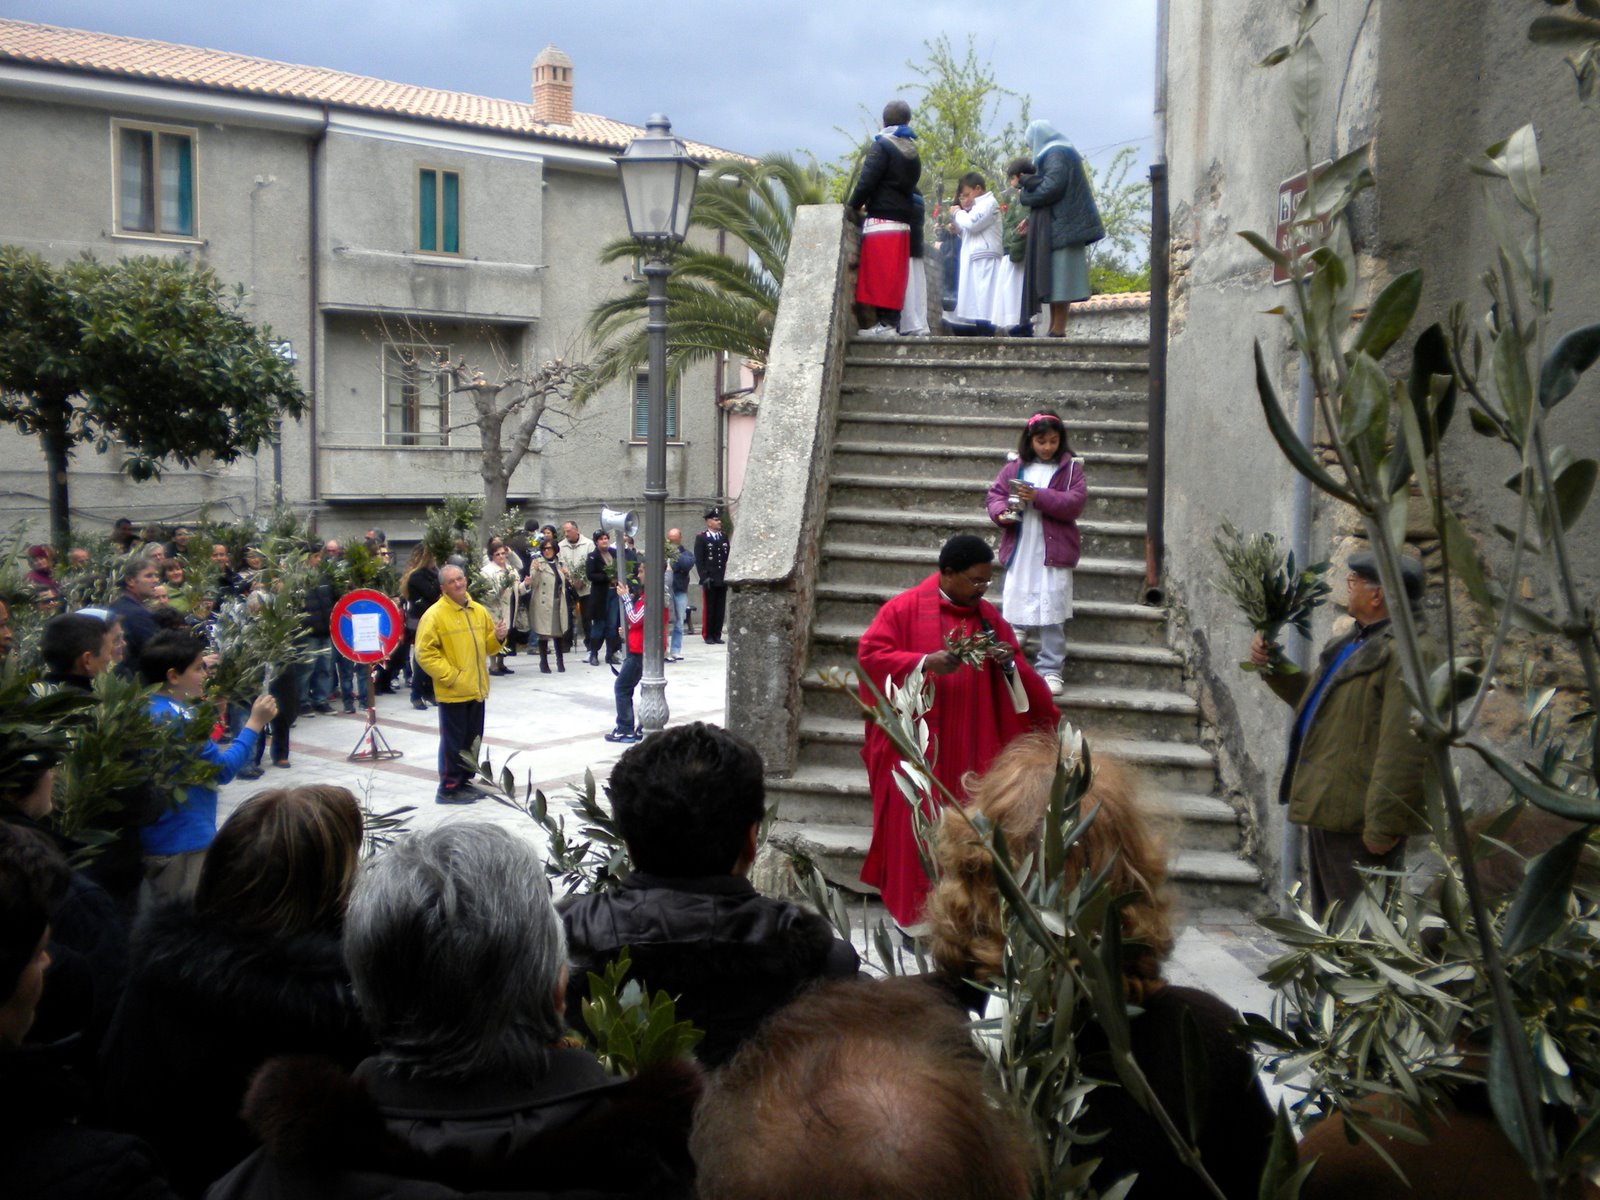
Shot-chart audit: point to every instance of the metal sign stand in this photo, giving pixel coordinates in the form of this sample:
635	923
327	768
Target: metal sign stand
372	745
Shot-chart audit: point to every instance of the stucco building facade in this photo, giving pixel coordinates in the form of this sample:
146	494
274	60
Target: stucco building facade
371	224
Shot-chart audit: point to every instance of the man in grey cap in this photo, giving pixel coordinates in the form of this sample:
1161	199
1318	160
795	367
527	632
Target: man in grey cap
711	561
1354	770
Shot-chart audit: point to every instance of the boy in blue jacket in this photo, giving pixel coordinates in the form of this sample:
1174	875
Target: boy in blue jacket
175	843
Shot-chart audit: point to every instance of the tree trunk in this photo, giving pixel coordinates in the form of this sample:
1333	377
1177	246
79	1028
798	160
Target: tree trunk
57	450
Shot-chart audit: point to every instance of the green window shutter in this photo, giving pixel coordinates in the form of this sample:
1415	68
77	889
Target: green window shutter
177	184
452	213
641	409
428	210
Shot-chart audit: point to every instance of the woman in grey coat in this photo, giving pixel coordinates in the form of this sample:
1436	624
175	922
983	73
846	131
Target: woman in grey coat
1062	223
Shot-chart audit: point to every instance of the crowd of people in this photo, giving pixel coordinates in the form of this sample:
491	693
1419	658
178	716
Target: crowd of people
1015	253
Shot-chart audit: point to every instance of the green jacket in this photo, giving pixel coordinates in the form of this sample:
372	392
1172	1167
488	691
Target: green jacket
1359	767
453	645
1014	244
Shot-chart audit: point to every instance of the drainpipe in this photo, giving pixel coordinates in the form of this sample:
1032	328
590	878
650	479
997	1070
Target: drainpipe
314	288
1160	278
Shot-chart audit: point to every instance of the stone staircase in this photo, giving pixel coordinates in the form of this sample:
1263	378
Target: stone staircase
923	426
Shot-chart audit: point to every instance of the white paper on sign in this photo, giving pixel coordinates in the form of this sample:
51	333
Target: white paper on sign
366	635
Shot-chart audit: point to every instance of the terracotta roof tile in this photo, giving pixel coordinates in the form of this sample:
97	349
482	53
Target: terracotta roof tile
1113	301
219	70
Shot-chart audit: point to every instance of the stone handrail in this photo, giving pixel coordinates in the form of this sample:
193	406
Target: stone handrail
773	566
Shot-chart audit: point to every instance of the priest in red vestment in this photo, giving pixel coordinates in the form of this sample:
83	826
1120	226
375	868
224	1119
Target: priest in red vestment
975	711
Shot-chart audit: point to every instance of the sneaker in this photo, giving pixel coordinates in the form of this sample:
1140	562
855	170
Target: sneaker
459	795
1055	683
880	330
616	735
420	705
251	772
349	708
324	709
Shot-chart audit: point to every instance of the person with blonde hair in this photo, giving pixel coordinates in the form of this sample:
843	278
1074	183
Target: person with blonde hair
252	969
968	944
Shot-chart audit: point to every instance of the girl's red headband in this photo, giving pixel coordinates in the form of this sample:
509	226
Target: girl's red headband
1043	417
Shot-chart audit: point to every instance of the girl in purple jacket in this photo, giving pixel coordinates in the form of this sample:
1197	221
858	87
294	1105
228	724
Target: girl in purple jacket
1036	500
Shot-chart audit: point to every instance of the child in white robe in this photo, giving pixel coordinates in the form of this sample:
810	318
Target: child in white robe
981	294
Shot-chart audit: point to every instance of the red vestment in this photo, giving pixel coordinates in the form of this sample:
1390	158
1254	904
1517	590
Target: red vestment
971	720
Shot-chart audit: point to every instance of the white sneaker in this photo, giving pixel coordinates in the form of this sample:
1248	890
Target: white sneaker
1055	683
880	330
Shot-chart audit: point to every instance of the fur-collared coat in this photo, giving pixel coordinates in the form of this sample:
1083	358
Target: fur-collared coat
206	1004
572	1132
731	956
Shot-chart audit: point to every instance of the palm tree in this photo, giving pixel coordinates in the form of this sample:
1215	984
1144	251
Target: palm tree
717	303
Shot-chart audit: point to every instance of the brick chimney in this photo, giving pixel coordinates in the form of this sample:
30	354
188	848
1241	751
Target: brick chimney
552	87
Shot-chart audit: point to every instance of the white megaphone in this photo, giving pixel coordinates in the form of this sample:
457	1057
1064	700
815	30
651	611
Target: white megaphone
616	520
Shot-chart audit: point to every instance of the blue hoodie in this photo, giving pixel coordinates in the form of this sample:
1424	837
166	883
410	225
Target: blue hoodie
192	824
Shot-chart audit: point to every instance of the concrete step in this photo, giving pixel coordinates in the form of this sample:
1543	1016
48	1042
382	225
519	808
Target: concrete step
837	793
1198	878
1089	664
904	566
892	526
1003	382
1170	766
972	349
1009	393
969	429
846	609
954	494
977	463
1131	712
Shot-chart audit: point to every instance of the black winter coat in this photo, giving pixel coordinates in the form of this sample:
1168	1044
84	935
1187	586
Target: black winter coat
1061	188
46	1155
87	925
206	1005
890	169
320	599
731	956
571	1133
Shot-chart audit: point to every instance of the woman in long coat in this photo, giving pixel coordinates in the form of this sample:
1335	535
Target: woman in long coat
546	604
506	585
1062	223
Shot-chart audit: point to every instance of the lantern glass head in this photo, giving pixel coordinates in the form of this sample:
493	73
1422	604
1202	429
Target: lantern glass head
658	181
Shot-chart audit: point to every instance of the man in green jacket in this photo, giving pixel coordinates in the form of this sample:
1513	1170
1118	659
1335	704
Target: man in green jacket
455	638
1354	771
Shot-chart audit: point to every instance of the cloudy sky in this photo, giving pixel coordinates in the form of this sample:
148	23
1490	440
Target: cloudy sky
747	75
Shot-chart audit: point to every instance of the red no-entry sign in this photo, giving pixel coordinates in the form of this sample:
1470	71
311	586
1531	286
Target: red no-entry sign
366	626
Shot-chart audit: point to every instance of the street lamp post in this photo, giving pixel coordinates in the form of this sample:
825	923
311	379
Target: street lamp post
658	180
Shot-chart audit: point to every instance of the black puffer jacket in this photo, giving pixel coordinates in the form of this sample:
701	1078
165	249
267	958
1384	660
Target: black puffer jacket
320	598
731	956
206	1004
573	1132
889	172
45	1154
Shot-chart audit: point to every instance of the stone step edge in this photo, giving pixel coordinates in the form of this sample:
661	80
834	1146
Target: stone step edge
882	592
966	421
1188	808
852	841
1105	458
925	483
867	552
878	516
1056	345
1142	754
1106	652
927	363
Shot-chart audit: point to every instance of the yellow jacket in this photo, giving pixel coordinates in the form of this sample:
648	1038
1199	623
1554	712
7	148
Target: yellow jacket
453	646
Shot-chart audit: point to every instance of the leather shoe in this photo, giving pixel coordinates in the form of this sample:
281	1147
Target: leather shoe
420	705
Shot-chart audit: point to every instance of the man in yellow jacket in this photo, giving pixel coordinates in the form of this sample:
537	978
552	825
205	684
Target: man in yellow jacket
454	641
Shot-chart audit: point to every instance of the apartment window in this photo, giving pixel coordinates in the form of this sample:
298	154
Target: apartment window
438	211
641	409
416	397
155	180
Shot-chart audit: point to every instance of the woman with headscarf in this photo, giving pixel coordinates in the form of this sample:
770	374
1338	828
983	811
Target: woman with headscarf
1062	222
